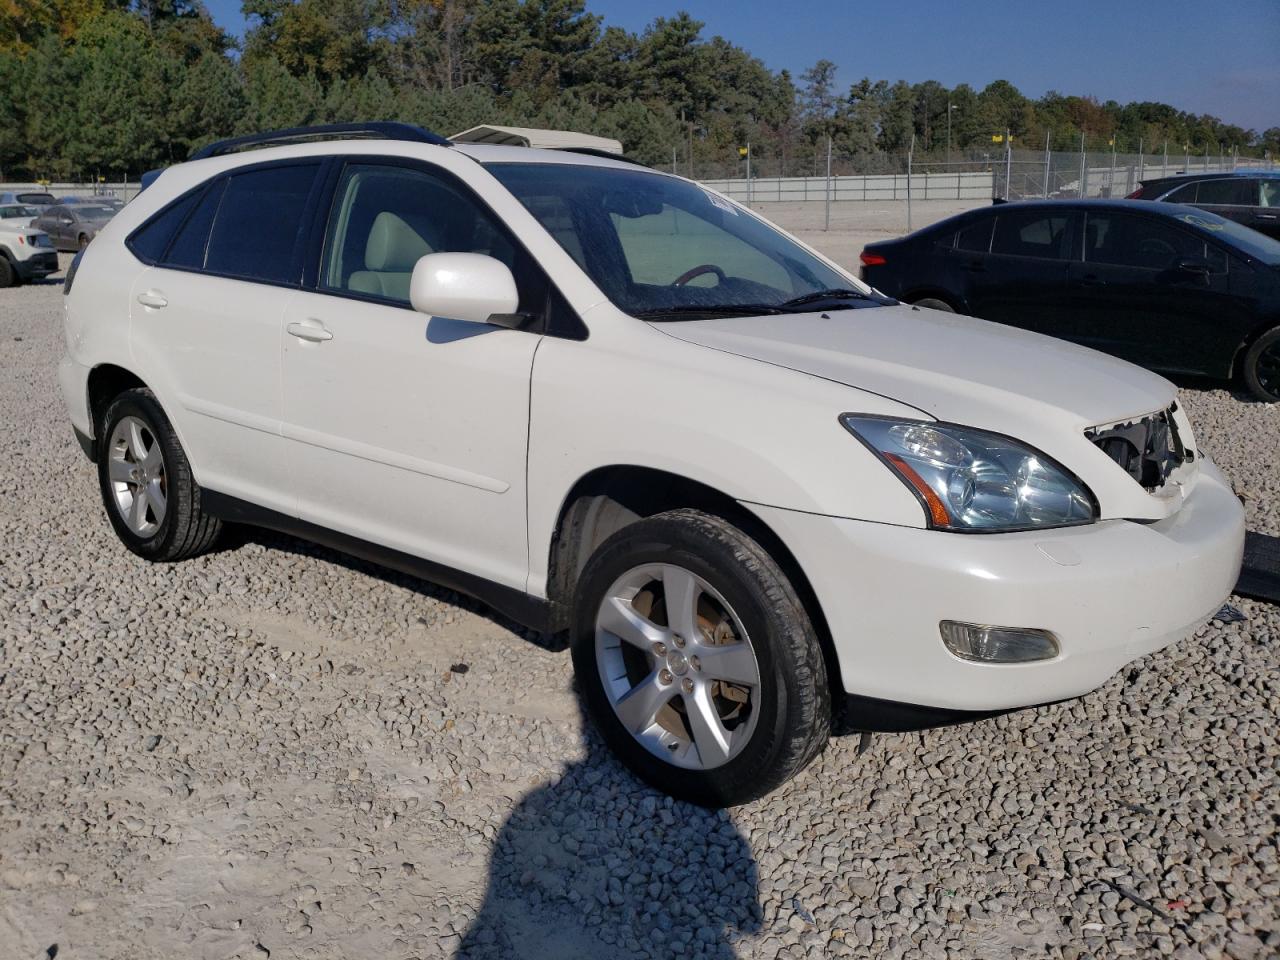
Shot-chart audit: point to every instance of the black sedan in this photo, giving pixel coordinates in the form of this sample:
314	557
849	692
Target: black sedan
1172	288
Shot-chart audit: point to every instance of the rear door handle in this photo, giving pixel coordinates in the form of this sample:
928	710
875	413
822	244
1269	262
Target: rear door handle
313	331
1266	216
975	266
153	299
1092	281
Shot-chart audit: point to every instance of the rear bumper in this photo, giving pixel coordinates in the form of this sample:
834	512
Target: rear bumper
1111	592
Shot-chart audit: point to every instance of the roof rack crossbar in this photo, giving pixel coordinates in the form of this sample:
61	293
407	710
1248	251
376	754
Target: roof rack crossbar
374	129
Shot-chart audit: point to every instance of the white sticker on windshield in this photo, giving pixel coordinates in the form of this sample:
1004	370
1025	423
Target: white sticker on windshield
721	202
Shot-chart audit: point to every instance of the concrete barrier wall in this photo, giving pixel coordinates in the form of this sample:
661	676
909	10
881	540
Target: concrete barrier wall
125	191
890	186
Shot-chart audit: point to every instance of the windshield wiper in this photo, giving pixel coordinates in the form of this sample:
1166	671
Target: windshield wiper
726	309
820	295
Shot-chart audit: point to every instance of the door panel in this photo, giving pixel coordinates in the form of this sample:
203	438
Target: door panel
217	342
410	431
1132	301
1022	281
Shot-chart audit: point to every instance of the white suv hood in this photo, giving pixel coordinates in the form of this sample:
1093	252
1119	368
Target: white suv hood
1042	391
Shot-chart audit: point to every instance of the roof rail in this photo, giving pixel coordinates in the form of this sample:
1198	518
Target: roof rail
603	154
369	130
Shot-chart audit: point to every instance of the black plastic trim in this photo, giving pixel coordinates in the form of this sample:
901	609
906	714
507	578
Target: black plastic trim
527	610
872	715
373	129
86	444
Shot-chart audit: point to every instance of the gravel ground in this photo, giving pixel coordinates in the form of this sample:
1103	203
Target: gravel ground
273	751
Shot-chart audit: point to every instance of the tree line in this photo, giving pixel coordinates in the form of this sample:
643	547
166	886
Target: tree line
115	87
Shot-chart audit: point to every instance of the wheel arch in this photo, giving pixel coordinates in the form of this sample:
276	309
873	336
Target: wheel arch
1265	326
106	382
934	293
610	498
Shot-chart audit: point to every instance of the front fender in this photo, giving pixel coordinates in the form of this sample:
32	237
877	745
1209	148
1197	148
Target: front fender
755	432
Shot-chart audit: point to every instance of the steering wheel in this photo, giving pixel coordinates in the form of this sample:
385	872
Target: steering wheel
698	271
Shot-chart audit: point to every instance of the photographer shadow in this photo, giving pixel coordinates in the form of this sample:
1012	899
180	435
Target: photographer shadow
596	864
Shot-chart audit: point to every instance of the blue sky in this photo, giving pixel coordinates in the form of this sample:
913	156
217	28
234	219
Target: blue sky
1206	57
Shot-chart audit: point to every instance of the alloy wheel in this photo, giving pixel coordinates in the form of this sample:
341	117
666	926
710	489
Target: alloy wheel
135	467
677	666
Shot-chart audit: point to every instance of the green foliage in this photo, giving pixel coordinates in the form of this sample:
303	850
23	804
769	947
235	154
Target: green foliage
115	87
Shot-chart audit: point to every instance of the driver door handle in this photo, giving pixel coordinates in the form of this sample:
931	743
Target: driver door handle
313	331
153	299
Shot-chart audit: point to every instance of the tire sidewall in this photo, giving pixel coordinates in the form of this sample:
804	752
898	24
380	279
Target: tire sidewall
670	542
140	404
1251	380
8	275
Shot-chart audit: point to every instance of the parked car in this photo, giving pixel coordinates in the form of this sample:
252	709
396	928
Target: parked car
31	198
101	200
1174	289
1251	197
73	226
606	400
25	252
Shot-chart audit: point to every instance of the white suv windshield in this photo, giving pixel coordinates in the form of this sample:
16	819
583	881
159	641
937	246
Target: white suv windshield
660	247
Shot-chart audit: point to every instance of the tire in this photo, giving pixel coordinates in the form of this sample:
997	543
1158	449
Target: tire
171	525
771	729
8	275
1261	367
933	303
82	242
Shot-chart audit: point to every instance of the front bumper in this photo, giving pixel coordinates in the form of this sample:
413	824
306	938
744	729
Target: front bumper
37	266
1111	591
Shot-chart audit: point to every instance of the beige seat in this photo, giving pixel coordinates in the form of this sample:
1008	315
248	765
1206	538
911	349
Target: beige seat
389	255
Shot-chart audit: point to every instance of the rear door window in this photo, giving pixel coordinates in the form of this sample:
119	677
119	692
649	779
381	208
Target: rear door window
256	233
1184	194
1042	234
976	237
188	247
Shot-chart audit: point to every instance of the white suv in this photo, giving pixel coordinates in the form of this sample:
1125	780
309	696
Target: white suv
25	252
763	499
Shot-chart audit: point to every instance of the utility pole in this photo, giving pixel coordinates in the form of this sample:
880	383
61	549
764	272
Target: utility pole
950	106
1047	156
750	190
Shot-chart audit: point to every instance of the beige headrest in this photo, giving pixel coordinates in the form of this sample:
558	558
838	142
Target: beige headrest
393	245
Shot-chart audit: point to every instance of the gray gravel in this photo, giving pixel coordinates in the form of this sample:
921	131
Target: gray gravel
273	751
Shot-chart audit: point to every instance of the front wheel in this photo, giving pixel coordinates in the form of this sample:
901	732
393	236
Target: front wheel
697	661
933	303
151	497
1261	367
82	242
8	275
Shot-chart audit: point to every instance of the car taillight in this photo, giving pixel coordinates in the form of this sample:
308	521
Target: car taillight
870	259
22	241
1136	195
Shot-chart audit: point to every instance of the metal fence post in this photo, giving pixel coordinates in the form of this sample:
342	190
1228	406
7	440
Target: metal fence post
827	223
910	151
1084	173
1047	157
1111	181
1142	163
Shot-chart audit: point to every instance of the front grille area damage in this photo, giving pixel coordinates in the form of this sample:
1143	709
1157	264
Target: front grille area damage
1148	449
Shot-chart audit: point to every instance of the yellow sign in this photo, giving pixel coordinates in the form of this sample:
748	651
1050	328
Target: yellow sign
997	138
742	151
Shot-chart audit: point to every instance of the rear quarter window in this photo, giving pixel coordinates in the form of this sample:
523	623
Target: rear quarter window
150	242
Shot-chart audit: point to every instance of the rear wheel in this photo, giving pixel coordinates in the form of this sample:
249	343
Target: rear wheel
82	242
933	303
152	499
697	661
1261	367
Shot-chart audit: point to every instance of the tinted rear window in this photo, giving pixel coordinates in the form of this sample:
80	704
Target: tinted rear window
976	237
150	241
255	234
1032	233
36	198
187	249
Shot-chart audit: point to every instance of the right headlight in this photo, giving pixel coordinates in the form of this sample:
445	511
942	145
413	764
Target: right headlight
975	481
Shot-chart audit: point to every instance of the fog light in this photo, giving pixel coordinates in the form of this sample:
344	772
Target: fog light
987	644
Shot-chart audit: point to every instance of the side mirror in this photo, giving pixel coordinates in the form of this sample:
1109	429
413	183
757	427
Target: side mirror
1193	267
465	286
